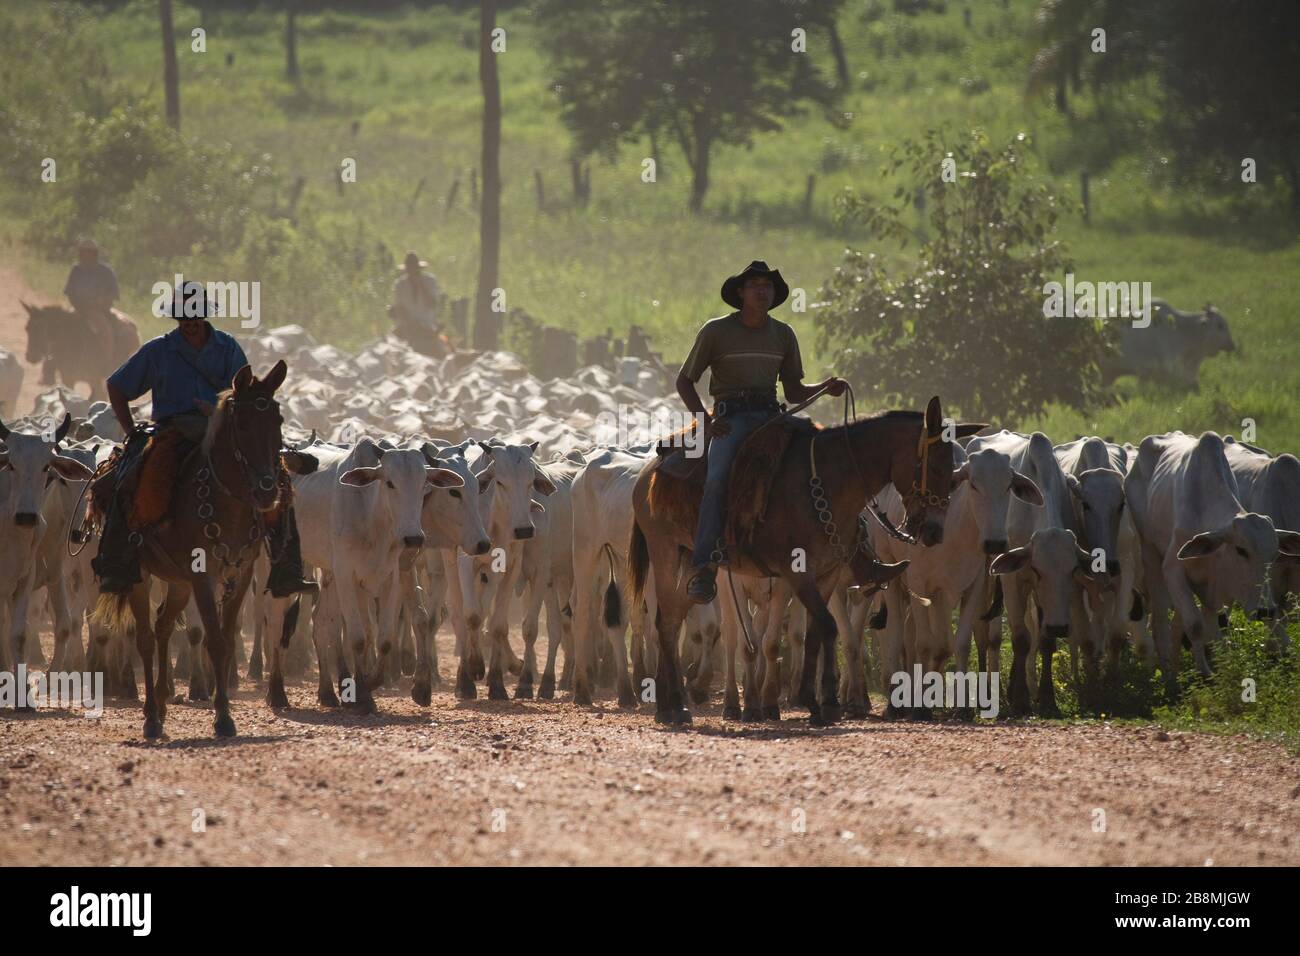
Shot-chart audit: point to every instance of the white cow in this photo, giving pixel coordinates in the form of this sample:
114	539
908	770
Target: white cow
1199	542
1045	563
1271	487
479	587
602	504
25	461
11	382
952	574
359	517
1094	471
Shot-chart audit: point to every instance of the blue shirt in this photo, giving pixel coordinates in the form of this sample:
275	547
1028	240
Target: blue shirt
161	367
90	284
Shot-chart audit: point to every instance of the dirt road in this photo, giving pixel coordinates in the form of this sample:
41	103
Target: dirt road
544	783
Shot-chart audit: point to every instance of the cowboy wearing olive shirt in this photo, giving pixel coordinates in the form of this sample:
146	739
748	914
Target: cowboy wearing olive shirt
746	352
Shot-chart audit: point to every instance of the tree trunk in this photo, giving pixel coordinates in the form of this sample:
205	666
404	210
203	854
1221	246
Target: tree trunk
291	40
837	50
699	169
487	323
171	79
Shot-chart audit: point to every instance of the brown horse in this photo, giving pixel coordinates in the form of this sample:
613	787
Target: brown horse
853	463
57	334
209	541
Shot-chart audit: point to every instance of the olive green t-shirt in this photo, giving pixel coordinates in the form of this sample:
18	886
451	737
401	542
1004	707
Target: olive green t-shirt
744	359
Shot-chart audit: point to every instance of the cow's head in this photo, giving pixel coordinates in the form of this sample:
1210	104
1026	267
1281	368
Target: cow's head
1058	565
1235	559
991	481
516	478
1100	496
402	477
1213	332
452	516
25	461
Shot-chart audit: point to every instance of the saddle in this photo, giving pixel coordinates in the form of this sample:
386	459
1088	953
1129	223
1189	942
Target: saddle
144	471
677	485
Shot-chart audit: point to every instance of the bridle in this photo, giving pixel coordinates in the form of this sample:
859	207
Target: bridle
255	482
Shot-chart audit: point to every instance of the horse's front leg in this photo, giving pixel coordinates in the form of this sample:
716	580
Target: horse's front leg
145	644
206	601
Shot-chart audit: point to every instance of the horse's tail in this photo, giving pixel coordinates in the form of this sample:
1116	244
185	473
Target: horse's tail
113	614
638	562
613	603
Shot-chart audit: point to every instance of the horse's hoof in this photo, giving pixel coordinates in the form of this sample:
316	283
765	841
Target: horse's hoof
679	715
831	713
523	691
966	714
751	715
855	712
497	692
700	695
582	697
152	728
422	694
772	713
731	712
627	701
223	726
546	689
327	697
922	714
255	670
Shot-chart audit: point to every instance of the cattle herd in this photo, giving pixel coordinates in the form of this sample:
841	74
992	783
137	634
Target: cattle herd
464	491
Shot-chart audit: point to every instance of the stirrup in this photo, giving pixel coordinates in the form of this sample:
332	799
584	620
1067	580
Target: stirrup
703	586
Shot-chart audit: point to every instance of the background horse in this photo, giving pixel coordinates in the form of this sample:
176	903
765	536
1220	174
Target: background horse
58	335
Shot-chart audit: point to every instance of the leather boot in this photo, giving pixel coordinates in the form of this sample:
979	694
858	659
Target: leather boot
286	575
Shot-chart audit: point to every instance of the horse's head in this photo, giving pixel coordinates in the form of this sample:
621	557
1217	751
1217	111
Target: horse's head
41	325
925	476
250	416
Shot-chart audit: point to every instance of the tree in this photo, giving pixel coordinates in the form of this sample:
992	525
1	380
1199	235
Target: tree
966	319
291	40
703	74
487	325
1220	69
171	79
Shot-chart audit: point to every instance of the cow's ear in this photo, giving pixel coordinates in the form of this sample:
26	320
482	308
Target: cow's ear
532	446
964	429
1010	562
443	478
536	506
485	478
1072	483
1023	487
243	378
1285	558
70	468
1207	542
543	485
1288	543
299	462
275	378
960	474
362	475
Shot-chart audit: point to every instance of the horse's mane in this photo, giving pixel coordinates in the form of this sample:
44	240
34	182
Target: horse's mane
876	418
215	421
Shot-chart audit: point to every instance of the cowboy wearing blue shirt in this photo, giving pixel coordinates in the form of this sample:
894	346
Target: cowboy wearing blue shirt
183	370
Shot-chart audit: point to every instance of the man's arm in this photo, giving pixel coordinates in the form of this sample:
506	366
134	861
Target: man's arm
796	392
121	408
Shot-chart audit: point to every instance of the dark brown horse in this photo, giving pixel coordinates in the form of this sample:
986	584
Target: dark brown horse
854	463
57	334
209	541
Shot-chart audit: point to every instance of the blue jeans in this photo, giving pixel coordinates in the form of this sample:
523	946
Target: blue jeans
713	508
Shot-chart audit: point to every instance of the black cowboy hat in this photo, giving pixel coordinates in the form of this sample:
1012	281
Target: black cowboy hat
189	297
731	288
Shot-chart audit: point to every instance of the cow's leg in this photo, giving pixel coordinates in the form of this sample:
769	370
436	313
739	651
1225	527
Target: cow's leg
1090	631
819	642
356	694
499	627
586	577
892	651
555	622
417	615
220	644
324	624
260	600
1013	594
18	622
770	700
58	600
1158	611
854	689
1183	600
536	595
749	655
729	625
138	600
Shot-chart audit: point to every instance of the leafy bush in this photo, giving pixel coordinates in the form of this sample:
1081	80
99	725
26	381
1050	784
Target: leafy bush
965	319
